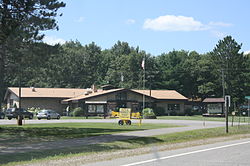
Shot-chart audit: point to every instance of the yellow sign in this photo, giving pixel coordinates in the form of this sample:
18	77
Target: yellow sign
125	113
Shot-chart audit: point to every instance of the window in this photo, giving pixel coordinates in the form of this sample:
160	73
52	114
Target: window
96	108
91	108
174	107
99	109
214	108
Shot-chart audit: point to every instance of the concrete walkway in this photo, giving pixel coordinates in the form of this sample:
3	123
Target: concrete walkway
189	125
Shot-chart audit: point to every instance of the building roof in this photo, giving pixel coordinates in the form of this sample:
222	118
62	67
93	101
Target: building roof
157	94
47	92
162	94
214	100
98	93
70	94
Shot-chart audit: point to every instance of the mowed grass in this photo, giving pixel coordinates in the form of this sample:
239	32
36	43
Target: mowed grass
31	133
166	139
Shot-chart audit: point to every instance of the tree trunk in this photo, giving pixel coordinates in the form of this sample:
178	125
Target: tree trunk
2	74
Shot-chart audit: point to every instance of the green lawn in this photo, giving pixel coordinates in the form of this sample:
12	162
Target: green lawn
31	133
40	156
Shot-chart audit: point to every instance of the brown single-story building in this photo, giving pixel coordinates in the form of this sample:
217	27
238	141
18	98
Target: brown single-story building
106	101
43	98
214	106
96	101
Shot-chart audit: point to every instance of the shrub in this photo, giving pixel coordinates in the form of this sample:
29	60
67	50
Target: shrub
34	110
77	112
159	111
148	113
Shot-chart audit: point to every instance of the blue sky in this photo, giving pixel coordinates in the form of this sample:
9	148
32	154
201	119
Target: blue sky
156	26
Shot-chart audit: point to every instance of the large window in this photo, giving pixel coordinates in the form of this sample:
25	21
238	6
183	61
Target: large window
96	108
214	108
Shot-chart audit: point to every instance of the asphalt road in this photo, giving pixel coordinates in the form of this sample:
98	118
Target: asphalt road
230	153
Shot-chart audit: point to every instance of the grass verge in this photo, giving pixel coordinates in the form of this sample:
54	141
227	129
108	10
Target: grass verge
90	150
31	133
236	119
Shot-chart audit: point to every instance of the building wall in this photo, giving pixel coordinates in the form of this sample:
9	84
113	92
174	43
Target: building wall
138	97
102	98
12	100
134	97
44	103
164	105
130	96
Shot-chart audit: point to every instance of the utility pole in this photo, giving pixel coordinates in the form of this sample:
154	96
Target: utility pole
19	118
227	105
223	83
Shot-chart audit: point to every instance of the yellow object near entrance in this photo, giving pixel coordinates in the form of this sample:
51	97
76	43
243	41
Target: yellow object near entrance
135	115
114	114
125	113
125	116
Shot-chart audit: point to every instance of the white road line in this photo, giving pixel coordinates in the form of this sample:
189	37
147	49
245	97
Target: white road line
187	153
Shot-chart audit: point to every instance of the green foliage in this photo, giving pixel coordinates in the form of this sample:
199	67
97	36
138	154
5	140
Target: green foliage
148	113
21	23
73	65
34	110
77	112
231	63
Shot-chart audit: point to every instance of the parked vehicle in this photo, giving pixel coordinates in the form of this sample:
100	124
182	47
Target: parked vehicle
2	115
48	114
14	112
244	110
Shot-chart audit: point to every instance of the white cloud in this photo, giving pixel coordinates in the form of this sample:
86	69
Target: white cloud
246	52
80	19
218	34
174	23
52	40
220	24
130	21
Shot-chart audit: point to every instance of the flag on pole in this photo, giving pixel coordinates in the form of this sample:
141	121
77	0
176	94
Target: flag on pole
122	77
143	64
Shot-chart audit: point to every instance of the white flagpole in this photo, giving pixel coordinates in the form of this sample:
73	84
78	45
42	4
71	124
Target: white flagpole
144	73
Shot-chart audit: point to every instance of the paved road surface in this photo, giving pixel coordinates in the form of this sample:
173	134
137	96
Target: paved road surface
230	153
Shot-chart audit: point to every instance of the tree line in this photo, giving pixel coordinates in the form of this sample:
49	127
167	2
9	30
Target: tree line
28	62
223	71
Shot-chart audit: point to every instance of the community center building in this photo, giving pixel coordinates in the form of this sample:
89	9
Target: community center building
97	101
